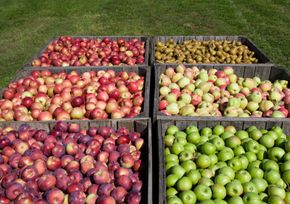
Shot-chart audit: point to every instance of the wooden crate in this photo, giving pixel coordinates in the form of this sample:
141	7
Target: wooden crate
262	58
141	70
141	125
271	73
145	39
241	124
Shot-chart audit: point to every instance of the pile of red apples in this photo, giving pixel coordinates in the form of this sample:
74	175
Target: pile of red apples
199	92
70	165
69	51
98	94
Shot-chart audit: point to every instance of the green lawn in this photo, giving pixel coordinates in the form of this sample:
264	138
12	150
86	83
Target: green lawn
26	25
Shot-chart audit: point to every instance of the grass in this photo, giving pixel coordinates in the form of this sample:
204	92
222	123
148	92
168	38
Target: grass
27	25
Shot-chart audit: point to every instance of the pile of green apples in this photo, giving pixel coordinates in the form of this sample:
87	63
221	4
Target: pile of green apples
224	165
199	92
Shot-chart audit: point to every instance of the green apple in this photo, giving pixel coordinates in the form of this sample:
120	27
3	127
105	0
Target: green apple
213	159
180	140
287	198
287	146
207	202
168	140
278	130
233	142
256	172
203	139
193	137
261	155
171	180
249	187
244	141
218	191
191	129
202	192
285	166
205	181
234	188
222	179
171	157
220	201
255	134
208	148
276	153
252	146
251	156
275	200
261	184
226	135
172	129
225	154
184	184
239	150
272	176
187	197
252	106
251	128
242	134
244	161
218	130
167	151
218	143
281	183
278	191
176	148
273	134
190	147
177	170
203	161
263	196
231	129
263	148
221	164
208	173
194	176
188	165
235	200
206	131
286	156
227	171
286	176
267	140
243	176
171	192
174	200
280	142
170	164
251	197
180	134
235	163
268	164
254	164
185	155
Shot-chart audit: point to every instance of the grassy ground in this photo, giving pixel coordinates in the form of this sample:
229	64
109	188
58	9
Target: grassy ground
26	25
